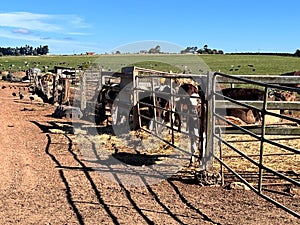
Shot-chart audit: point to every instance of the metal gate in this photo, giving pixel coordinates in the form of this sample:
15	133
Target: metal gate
145	85
267	142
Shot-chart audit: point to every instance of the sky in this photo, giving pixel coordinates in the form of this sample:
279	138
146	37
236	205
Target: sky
74	27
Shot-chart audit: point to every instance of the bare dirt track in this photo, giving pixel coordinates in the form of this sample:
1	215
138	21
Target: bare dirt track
45	180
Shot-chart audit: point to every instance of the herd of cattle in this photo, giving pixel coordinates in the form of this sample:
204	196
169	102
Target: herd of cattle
184	108
161	106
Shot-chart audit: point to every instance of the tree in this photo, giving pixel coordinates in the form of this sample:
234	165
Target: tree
204	50
45	50
200	51
297	53
155	50
189	50
30	50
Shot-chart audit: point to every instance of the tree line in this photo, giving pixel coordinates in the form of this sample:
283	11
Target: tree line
204	50
296	54
24	50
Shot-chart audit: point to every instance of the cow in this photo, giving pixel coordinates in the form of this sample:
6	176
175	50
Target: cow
294	73
247	115
285	96
183	100
158	107
251	116
191	110
196	125
105	99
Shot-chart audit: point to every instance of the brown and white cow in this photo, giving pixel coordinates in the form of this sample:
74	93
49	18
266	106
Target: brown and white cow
294	73
191	111
247	115
251	116
285	96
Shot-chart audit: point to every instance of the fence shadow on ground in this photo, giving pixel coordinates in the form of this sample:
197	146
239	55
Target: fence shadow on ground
54	127
69	191
129	193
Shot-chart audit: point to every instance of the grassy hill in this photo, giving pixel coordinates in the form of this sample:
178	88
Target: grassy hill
230	64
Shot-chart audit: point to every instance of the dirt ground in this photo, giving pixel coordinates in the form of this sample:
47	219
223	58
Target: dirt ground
45	180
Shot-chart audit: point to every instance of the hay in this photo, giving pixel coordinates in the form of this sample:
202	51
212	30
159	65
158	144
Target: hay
274	157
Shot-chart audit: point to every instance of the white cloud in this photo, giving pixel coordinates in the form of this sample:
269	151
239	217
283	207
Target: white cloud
42	22
22	31
78	33
58	46
28	21
60	32
19	36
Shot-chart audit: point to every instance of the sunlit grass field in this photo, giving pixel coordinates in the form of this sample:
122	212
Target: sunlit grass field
229	64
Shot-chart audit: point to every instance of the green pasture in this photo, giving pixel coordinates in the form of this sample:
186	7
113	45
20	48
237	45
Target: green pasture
252	64
230	64
23	63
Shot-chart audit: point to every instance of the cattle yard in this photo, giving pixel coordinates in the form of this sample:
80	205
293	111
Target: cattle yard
264	156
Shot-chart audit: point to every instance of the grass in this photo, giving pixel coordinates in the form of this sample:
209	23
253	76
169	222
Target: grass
262	64
158	66
22	63
229	64
157	62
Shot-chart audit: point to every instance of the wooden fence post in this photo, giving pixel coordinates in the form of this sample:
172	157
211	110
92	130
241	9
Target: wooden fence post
54	96
207	161
136	107
83	93
66	90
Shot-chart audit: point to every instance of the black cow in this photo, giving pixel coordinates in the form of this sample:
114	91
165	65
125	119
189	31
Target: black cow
158	107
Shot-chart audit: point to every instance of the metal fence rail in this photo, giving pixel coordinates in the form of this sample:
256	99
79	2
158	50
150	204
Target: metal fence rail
141	89
259	133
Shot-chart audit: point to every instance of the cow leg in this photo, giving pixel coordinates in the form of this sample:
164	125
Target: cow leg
114	114
151	125
203	146
160	125
179	122
194	138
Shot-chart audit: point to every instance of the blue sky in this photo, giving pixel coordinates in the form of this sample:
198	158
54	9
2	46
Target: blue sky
75	26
